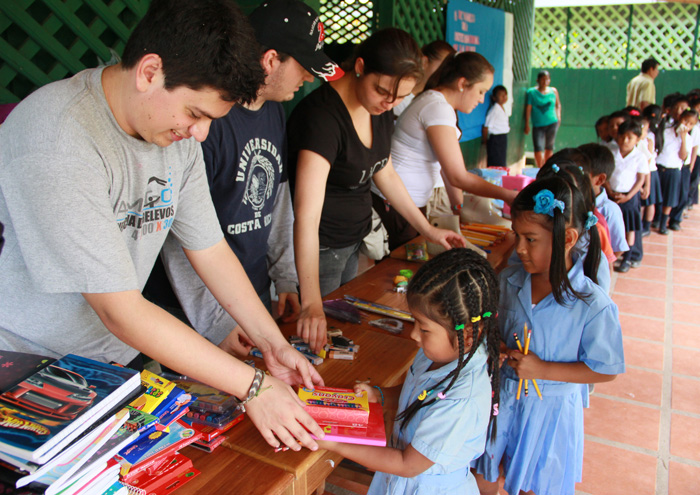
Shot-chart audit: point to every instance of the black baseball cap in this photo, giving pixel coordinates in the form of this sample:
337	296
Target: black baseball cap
292	27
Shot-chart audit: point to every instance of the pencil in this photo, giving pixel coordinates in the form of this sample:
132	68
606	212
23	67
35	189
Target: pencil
527	333
527	348
520	348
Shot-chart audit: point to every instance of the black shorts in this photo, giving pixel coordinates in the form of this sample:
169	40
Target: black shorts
543	137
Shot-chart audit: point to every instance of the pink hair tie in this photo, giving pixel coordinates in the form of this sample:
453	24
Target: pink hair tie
441	395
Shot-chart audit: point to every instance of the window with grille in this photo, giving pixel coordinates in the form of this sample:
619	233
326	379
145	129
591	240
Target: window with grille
616	36
347	21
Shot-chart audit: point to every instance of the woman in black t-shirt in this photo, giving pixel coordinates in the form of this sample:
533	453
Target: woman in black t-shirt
339	139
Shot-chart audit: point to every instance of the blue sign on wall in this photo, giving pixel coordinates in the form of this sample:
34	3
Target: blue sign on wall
474	27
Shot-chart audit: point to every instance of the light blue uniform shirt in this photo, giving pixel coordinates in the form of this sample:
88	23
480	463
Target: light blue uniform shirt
613	215
450	432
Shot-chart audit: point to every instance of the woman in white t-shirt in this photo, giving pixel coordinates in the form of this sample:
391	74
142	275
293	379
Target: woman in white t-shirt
426	140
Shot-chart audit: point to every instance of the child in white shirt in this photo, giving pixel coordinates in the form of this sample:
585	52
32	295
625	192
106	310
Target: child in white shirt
626	181
496	129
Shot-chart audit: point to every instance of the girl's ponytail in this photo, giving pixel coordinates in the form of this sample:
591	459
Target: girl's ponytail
569	164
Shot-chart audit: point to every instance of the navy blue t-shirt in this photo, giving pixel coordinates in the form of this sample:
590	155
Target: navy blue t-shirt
245	154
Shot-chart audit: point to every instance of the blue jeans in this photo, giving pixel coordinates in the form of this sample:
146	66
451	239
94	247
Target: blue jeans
337	266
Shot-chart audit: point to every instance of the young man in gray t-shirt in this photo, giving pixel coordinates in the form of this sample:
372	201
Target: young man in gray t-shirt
95	172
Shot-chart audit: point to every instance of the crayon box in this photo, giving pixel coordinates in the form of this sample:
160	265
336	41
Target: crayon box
335	406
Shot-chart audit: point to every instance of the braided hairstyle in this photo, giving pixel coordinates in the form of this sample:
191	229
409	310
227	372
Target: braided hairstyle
454	289
575	215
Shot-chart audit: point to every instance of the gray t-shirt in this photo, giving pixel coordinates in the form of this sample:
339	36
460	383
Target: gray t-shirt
86	209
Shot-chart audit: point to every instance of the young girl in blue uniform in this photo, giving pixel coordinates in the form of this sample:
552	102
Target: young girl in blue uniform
576	339
446	402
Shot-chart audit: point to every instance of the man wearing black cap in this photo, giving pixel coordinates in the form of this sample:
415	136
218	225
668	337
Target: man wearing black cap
245	156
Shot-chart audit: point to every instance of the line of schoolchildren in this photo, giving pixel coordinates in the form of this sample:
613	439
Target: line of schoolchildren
655	162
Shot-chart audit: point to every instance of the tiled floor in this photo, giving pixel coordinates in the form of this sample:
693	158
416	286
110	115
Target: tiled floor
643	429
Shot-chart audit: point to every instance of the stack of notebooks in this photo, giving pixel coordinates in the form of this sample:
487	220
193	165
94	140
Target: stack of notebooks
56	419
78	426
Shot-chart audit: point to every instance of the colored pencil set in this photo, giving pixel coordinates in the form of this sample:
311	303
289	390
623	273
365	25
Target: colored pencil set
528	336
483	235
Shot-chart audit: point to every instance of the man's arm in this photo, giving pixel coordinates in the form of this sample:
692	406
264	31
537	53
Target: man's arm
153	331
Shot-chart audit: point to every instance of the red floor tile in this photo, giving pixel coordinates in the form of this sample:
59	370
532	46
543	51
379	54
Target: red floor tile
684	241
642	306
686	252
683	277
683	444
653	248
687	294
646	272
687	264
622	422
635	384
685	335
610	470
637	287
685	362
644	354
686	312
654	260
684	395
643	328
683	479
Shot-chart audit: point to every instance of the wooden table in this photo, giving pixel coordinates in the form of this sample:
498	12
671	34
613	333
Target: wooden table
245	463
497	256
226	471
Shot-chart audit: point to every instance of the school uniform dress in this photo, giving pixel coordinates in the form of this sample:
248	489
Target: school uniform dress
541	441
669	164
450	432
623	179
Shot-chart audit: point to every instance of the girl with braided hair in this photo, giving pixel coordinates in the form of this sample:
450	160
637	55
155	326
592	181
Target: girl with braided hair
576	340
447	402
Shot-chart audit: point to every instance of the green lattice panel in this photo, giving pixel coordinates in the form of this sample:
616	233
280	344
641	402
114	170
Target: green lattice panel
664	30
424	19
42	41
347	20
598	37
549	40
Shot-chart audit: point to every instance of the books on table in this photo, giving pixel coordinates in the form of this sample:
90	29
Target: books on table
43	413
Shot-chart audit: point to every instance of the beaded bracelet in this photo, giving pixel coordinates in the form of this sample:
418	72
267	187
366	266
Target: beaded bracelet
381	393
254	388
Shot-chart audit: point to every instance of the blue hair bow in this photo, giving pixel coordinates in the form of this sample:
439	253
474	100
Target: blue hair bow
591	220
545	203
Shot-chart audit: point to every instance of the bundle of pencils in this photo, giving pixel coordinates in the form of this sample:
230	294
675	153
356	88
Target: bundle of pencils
483	235
528	336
